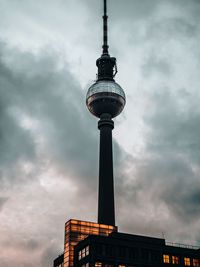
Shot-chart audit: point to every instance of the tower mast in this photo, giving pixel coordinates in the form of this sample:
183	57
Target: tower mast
105	99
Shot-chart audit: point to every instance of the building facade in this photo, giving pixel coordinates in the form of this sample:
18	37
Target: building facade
89	244
126	250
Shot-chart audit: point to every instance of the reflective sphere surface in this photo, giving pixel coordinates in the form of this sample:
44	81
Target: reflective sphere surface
105	97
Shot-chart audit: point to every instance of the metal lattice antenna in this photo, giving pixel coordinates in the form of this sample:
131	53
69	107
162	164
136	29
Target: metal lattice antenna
105	30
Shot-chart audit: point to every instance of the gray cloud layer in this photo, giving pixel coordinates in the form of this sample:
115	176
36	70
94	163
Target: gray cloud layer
44	129
49	141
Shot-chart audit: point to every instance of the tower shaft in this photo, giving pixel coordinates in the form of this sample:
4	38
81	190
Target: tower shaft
106	208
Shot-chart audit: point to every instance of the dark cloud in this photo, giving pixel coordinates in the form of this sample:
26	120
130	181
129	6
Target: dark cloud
175	124
38	90
48	256
28	244
5	264
133	9
49	141
2	202
20	144
155	65
168	176
45	125
175	138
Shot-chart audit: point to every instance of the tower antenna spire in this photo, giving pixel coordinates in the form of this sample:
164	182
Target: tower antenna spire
105	30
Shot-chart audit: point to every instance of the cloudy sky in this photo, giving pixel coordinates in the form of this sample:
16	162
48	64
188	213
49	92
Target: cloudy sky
49	141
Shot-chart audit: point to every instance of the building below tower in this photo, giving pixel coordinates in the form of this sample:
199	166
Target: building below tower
76	231
89	244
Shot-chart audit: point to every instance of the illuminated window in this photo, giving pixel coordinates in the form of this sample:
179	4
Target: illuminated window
175	260
98	264
87	250
166	258
122	265
196	262
83	253
85	265
79	255
187	261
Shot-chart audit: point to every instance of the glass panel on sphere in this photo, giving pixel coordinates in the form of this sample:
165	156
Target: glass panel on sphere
105	86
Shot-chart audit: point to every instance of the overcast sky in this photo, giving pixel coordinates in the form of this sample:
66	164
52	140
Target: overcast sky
49	141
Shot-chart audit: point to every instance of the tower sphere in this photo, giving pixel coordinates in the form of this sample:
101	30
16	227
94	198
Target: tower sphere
105	96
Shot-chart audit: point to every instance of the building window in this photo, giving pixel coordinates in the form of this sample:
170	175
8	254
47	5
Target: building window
99	249
98	264
154	256
121	251
145	254
175	260
196	263
87	251
132	253
83	253
187	261
166	258
110	251
85	265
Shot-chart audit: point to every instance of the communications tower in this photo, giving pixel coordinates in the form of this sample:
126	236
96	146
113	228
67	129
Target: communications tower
106	99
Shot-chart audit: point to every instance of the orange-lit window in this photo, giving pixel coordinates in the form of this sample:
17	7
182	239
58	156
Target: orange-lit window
196	263
175	260
187	261
166	258
98	264
73	222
